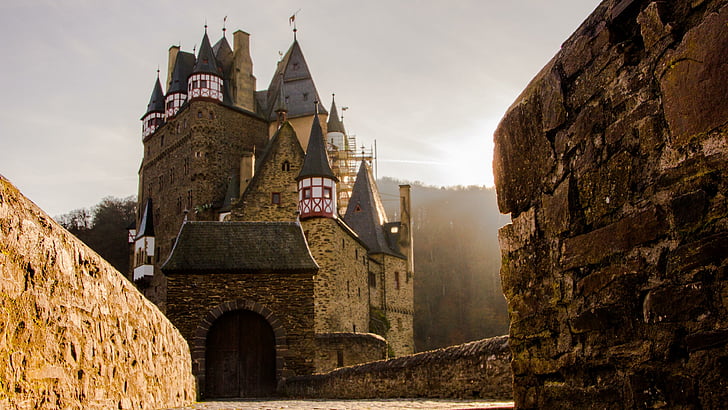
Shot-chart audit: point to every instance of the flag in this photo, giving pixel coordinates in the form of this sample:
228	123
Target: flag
291	19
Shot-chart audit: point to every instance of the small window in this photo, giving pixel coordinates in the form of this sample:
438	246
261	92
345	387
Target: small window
189	199
327	192
276	198
212	115
286	166
396	280
161	141
394	229
372	280
194	84
339	358
203	83
199	114
306	193
305	96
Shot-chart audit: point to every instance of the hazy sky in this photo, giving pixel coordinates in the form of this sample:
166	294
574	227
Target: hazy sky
429	80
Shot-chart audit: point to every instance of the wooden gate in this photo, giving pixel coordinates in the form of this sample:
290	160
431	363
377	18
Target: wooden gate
240	356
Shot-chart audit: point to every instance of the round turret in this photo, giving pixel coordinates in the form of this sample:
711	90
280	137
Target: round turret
316	182
154	117
206	78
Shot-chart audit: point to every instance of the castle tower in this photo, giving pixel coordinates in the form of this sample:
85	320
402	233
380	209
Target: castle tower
181	64
206	80
316	181
293	74
154	117
144	245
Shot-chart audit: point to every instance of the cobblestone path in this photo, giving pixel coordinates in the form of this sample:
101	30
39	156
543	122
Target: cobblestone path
416	404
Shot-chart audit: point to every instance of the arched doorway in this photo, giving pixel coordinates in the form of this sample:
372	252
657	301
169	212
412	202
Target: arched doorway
240	356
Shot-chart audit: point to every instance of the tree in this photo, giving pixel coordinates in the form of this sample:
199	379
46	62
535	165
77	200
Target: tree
103	228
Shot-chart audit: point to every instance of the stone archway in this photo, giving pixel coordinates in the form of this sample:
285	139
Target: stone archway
227	317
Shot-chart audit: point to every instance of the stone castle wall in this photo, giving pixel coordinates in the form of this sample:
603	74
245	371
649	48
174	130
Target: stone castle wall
276	174
612	164
284	300
342	292
335	350
472	370
186	166
398	305
74	333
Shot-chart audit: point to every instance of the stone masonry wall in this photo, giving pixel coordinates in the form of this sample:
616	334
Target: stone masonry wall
347	349
341	289
472	370
612	164
195	300
186	165
74	333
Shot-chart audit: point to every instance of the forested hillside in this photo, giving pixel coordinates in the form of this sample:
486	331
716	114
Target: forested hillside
458	296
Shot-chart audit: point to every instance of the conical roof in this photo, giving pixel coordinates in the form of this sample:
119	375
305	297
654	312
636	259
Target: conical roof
156	101
183	65
365	213
334	123
146	226
206	62
300	89
316	163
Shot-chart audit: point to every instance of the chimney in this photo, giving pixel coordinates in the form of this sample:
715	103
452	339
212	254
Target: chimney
243	79
405	231
247	168
173	51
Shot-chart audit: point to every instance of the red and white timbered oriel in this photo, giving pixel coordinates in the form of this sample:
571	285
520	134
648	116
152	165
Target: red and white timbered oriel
205	86
317	197
151	122
173	103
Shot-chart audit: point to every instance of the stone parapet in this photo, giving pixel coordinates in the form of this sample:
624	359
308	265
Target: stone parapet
473	370
74	333
612	164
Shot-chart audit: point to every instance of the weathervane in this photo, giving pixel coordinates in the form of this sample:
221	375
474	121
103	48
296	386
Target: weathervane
292	20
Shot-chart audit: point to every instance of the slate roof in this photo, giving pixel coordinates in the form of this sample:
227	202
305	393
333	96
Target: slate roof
224	55
146	226
316	163
299	86
156	101
239	247
334	123
183	65
206	61
365	214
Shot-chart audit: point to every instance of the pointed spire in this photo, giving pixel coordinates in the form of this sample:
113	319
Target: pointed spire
365	213
316	163
156	101
282	104
206	58
334	124
146	226
183	65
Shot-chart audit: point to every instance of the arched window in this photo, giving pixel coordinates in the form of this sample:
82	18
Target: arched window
286	166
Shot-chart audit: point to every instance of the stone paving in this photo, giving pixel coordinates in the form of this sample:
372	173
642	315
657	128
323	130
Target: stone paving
379	404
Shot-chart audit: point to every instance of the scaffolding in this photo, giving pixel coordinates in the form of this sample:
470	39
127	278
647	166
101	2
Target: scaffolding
345	158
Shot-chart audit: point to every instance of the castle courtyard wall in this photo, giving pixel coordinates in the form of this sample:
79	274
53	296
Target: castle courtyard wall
475	370
285	300
612	164
74	332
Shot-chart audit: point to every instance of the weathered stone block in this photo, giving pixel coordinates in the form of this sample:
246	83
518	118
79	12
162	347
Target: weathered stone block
592	247
707	251
693	81
660	306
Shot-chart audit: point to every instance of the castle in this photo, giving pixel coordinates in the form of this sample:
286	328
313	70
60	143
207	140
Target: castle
256	234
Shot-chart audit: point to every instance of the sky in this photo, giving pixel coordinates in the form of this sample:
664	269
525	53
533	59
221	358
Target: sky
428	80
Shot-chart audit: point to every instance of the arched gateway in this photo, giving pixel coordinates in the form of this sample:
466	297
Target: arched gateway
240	359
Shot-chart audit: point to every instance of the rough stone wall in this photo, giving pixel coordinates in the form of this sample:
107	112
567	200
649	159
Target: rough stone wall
398	304
341	290
612	164
186	165
194	298
272	176
74	333
347	349
472	370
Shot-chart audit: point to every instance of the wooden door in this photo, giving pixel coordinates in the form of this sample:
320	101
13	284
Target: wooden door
240	356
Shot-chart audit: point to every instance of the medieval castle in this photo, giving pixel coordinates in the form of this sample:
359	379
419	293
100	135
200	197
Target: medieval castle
256	234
